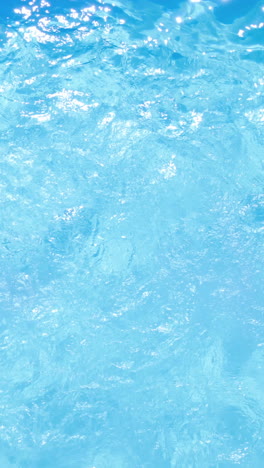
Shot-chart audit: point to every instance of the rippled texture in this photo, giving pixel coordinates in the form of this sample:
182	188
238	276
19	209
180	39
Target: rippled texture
131	240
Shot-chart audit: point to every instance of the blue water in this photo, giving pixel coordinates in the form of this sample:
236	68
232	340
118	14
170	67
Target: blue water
131	240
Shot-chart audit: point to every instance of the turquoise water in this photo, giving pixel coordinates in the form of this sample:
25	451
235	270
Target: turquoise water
131	240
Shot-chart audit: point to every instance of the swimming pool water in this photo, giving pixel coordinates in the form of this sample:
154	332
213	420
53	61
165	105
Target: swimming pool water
131	234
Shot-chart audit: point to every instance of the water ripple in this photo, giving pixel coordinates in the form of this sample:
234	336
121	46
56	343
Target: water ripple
131	239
